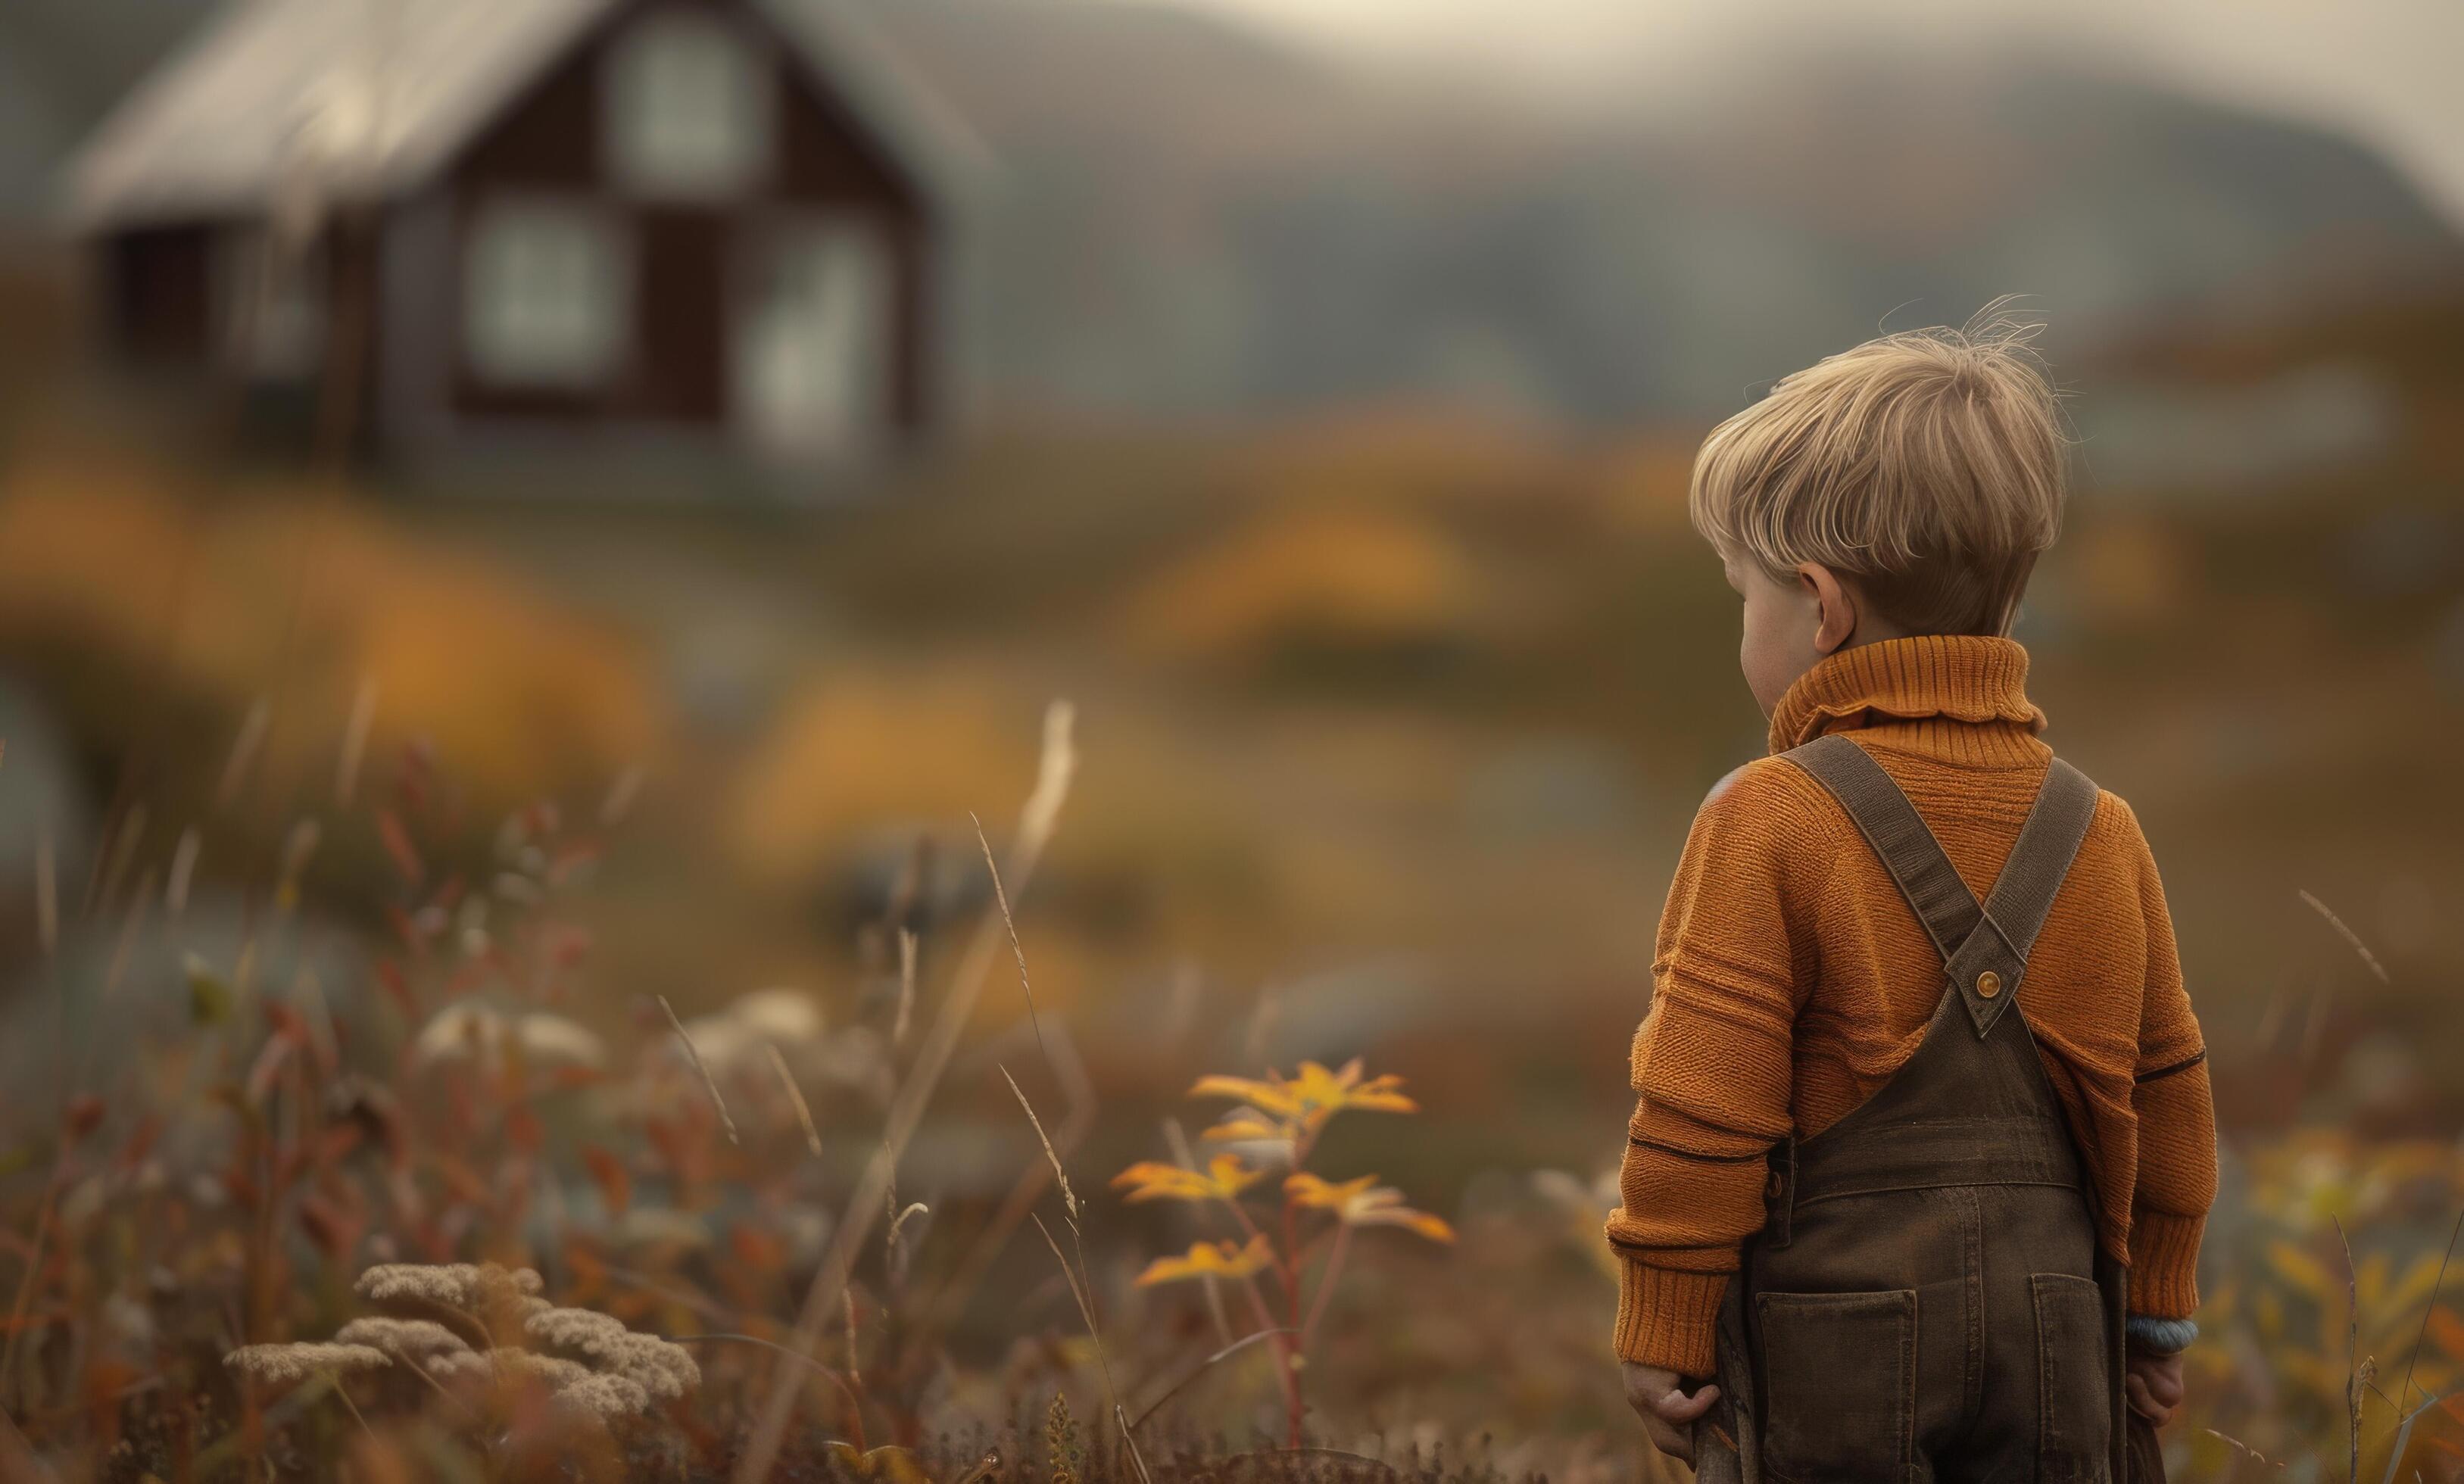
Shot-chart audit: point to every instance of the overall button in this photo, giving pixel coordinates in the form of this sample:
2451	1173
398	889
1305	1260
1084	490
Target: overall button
1988	984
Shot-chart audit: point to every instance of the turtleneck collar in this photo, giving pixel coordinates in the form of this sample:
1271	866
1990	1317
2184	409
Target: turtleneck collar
1959	697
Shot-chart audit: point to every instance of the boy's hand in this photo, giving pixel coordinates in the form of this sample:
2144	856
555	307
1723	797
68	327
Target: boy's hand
1658	1397
2153	1385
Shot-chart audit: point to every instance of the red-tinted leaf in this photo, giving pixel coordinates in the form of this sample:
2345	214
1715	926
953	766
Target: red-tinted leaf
288	1024
462	1182
84	1114
587	1273
407	928
397	987
337	1141
523	1129
418	761
757	1249
398	845
571	945
615	1187
569	860
37	1319
333	1225
269	1065
683	1147
141	1141
105	1377
291	1163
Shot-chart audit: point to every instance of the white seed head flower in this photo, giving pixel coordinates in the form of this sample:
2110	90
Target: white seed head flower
407	1338
778	1016
460	1285
606	1396
587	1330
459	1033
468	1032
458	1363
661	1357
652	1226
661	1368
721	1042
280	1365
447	1283
554	1370
546	1038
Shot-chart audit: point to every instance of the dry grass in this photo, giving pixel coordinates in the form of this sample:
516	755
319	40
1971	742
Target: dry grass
171	1297
853	1272
271	609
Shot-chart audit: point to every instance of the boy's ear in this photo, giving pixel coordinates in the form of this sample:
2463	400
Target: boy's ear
1835	603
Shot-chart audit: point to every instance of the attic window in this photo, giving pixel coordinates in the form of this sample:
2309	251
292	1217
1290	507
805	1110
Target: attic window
688	108
544	295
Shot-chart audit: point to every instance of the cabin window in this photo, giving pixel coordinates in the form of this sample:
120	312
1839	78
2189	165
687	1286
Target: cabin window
544	295
812	339
688	108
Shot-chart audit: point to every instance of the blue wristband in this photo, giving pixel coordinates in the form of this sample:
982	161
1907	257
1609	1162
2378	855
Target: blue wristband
2161	1337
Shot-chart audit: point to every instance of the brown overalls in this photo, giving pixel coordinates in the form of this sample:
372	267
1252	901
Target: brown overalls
1928	1298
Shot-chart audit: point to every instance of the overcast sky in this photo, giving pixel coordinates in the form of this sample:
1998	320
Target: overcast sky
2386	71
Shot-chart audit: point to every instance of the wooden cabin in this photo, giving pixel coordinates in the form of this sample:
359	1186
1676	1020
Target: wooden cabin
457	223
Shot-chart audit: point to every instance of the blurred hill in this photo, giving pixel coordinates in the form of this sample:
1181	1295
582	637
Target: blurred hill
1195	219
1192	219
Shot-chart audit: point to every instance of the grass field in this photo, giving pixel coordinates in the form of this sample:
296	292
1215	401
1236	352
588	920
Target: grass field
379	855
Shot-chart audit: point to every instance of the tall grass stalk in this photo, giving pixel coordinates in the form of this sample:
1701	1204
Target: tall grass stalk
1036	821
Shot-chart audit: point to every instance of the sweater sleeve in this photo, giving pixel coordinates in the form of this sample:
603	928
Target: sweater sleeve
1713	1060
2177	1122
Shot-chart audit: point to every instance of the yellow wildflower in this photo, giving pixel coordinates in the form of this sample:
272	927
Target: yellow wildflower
1217	1260
1151	1180
1301	1103
1365	1203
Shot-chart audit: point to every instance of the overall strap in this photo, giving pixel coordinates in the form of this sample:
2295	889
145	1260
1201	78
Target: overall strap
1984	948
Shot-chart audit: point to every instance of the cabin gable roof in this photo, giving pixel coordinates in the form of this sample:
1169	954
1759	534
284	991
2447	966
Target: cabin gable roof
368	100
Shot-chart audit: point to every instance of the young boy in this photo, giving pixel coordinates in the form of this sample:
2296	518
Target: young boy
1924	1129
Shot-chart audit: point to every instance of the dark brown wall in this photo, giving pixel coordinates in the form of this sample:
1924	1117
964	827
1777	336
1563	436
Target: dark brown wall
159	293
683	255
164	305
347	389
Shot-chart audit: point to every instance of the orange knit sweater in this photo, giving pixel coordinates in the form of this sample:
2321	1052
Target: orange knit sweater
1791	979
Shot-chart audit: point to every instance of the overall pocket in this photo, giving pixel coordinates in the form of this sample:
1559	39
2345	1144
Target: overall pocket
2074	1381
1840	1375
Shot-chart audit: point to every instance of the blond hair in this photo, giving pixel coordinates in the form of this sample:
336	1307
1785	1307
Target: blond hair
1927	465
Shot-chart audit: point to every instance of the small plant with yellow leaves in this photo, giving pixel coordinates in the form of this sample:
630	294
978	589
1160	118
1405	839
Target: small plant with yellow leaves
1275	1123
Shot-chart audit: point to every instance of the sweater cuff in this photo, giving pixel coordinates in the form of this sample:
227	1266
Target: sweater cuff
2164	1264
1669	1319
2162	1337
